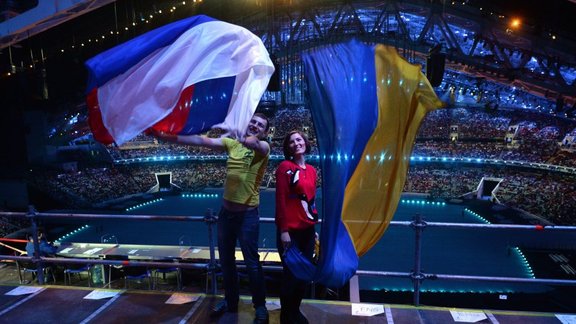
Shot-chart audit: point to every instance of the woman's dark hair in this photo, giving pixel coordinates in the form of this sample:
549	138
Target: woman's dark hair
286	144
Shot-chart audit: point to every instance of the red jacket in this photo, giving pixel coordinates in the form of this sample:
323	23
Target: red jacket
295	193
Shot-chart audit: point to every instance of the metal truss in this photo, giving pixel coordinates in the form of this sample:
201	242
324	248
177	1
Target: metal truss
475	43
45	15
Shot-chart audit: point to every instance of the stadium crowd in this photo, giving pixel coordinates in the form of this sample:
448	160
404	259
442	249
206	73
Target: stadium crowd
507	134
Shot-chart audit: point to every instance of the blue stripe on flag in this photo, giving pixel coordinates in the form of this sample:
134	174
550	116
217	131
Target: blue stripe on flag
344	106
209	107
109	64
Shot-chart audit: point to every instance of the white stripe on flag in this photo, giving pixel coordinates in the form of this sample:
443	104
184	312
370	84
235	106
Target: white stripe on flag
146	93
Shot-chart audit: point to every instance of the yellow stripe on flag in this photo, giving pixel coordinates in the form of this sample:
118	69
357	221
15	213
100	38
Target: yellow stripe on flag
404	97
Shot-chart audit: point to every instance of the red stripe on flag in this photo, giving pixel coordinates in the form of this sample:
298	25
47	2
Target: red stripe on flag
100	132
176	120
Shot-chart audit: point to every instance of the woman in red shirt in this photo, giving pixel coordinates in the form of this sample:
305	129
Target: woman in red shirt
296	216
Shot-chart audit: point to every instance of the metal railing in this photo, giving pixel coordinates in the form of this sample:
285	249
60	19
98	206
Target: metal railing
416	276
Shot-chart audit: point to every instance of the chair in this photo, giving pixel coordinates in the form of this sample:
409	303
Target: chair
131	272
128	272
137	273
77	269
109	239
183	240
25	267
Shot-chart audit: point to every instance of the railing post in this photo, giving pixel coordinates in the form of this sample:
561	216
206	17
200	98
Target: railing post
36	257
418	224
210	219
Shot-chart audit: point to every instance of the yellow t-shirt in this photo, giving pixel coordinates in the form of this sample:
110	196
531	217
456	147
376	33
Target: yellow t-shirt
245	170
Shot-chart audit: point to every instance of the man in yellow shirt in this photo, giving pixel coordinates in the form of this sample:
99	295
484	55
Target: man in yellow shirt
239	219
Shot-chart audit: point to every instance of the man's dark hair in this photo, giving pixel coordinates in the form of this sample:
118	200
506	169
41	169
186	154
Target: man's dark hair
261	115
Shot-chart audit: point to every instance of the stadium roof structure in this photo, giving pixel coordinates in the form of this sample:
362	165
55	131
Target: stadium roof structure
480	38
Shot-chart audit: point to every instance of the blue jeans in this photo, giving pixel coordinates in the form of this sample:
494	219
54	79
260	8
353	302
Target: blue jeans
243	227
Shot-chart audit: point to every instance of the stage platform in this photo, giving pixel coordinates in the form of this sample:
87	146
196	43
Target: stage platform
59	303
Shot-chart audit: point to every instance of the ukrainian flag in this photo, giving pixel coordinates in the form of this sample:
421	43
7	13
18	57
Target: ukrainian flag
367	104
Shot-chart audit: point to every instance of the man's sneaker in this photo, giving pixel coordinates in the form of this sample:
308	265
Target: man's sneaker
261	316
222	307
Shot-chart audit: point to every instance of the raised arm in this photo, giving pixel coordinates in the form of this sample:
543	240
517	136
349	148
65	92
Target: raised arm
254	143
193	140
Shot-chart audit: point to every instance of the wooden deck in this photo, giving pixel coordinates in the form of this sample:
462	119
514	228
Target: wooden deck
57	303
60	304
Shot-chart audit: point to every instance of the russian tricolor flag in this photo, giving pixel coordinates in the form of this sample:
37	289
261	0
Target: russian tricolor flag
182	78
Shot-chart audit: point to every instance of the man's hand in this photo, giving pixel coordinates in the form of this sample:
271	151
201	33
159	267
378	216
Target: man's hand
255	144
251	142
165	137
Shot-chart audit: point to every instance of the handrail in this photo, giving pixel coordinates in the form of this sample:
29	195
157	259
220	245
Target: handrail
271	220
417	276
6	239
413	158
491	226
11	248
370	273
105	216
158	264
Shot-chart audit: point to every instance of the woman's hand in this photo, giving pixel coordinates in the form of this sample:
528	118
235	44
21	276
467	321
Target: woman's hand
286	241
